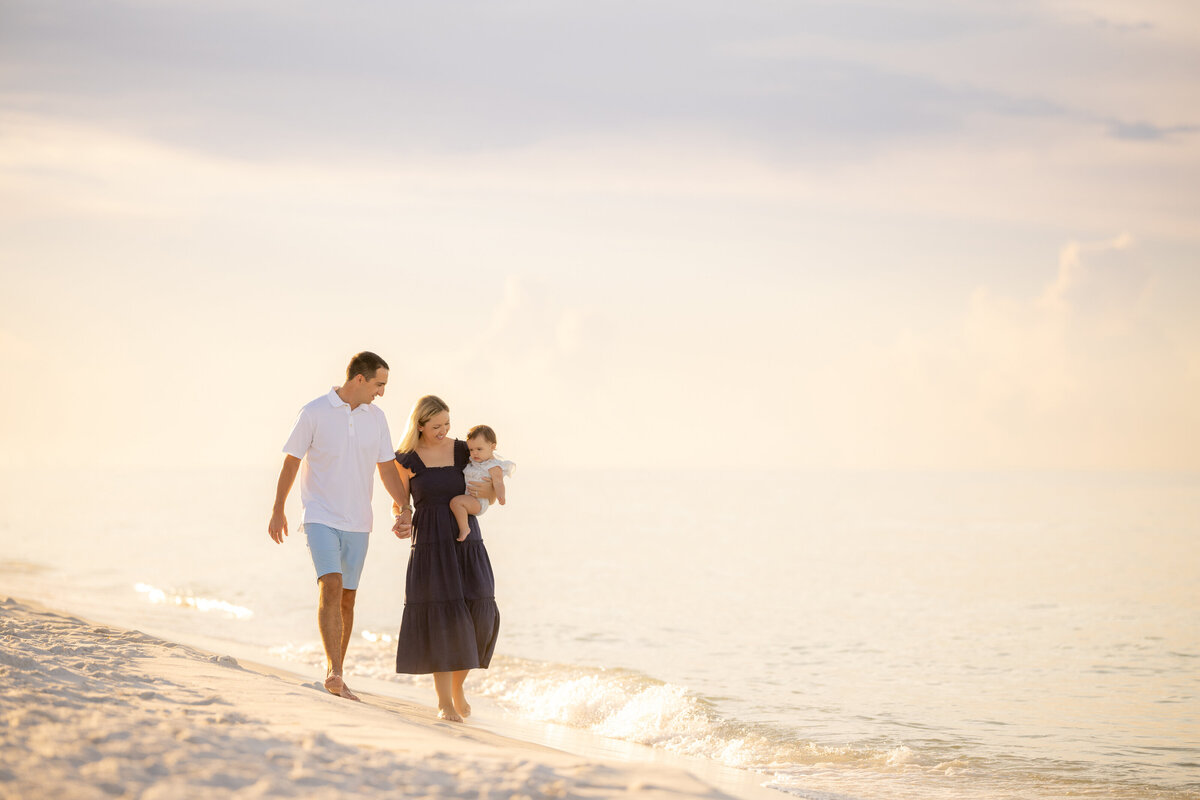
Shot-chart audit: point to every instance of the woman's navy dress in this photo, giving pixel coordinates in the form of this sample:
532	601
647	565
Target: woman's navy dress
450	616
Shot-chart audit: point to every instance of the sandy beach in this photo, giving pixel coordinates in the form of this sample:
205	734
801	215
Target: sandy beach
92	711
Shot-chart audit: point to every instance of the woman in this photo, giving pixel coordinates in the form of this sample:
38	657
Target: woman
450	618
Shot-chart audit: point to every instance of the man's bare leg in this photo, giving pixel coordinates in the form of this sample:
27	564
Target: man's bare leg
442	682
460	700
334	634
348	596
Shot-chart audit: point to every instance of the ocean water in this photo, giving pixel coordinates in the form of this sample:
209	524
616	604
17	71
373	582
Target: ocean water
840	635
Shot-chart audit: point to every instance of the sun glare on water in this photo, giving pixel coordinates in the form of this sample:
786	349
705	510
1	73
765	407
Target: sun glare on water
160	597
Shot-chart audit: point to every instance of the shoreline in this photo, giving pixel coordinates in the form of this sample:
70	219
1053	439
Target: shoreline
92	710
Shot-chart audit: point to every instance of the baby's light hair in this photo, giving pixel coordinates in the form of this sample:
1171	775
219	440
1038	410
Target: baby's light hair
484	431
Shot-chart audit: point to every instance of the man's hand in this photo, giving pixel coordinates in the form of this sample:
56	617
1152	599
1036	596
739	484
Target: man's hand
482	489
403	526
277	527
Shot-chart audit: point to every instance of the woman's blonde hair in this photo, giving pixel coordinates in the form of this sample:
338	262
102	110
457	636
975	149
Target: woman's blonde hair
425	409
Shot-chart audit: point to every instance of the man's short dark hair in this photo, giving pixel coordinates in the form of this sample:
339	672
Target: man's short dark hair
366	364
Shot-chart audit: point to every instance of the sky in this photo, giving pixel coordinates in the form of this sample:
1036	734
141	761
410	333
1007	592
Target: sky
814	235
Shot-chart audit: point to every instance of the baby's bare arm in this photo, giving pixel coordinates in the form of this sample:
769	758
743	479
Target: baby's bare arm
497	474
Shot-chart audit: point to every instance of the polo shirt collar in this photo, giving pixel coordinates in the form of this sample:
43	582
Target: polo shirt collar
338	402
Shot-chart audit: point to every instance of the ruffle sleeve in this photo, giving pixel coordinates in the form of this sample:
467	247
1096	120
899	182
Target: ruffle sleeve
410	461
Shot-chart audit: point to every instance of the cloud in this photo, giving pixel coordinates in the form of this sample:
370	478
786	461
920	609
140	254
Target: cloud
520	357
1146	132
1099	283
530	324
1034	358
707	205
808	81
1078	375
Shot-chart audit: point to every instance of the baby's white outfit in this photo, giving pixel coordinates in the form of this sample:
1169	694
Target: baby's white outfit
478	471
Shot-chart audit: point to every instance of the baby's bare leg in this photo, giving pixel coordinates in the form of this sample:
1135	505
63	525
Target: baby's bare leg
463	506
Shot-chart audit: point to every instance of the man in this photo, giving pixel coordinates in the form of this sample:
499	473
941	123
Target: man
336	443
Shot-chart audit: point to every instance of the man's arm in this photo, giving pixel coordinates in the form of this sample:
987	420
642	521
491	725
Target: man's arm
278	527
396	483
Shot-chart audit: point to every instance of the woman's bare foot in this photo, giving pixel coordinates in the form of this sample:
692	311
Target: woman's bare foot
461	705
449	714
335	685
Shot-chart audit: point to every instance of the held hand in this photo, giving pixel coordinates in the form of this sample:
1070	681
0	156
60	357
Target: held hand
403	526
277	527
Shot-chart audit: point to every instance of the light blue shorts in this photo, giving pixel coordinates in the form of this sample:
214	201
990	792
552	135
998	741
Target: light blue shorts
337	551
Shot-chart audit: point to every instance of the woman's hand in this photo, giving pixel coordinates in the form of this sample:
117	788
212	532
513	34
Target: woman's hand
482	489
403	526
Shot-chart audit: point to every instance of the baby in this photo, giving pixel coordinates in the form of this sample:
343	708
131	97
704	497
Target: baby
481	441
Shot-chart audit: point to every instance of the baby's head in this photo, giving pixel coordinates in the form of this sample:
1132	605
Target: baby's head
481	441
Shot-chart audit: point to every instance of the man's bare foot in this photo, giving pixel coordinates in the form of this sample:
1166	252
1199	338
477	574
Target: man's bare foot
449	714
335	685
461	705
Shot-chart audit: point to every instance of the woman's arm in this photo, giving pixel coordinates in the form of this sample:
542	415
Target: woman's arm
497	474
482	489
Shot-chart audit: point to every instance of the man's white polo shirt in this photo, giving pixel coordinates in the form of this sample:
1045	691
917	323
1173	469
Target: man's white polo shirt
339	449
